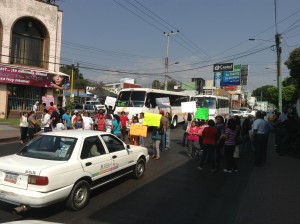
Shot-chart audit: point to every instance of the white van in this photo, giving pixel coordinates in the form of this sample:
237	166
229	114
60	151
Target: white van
98	104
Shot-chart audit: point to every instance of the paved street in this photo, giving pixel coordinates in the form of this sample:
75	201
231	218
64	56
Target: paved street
174	191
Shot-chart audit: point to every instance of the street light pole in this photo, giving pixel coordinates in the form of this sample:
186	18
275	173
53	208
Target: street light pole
167	57
279	76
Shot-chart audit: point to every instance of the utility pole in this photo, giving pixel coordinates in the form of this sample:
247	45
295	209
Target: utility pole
279	76
278	61
167	56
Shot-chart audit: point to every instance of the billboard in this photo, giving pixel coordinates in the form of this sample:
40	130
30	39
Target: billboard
228	78
29	77
223	67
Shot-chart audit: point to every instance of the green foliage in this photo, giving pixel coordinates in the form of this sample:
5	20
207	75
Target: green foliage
156	84
78	81
270	93
289	95
293	63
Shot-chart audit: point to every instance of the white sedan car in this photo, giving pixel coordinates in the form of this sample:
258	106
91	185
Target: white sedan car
66	165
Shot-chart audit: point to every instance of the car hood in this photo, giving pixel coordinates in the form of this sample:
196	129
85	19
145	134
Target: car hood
25	165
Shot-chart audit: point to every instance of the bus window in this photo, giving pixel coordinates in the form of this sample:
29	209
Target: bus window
131	99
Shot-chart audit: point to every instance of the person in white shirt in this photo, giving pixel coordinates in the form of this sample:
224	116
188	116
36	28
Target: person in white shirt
88	121
108	123
35	109
46	121
60	126
24	127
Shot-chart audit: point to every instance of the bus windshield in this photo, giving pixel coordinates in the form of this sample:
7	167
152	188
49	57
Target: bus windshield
131	99
207	102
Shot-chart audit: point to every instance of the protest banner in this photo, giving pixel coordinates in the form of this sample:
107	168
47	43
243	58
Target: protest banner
152	119
188	107
110	101
163	102
202	113
138	130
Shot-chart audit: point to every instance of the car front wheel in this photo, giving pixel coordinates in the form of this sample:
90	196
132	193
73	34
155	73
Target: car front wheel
139	169
79	196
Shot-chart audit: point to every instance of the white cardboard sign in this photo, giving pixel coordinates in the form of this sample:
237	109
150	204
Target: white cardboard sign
110	101
188	107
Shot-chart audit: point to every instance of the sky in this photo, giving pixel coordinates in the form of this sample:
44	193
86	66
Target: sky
115	39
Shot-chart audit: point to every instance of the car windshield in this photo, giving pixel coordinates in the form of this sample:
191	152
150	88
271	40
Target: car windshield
207	102
49	148
131	99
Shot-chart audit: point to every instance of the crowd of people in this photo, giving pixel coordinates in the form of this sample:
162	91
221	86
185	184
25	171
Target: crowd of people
210	141
217	139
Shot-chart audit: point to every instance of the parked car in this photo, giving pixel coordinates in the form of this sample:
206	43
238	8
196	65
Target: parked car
91	109
97	103
66	166
233	113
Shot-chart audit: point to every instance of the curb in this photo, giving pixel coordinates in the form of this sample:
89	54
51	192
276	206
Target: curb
10	139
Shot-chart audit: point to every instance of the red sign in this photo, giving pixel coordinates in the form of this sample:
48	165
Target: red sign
21	76
230	88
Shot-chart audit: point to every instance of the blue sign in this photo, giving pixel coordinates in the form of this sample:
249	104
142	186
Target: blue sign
227	78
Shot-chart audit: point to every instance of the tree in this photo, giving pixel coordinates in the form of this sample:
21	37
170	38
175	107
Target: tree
156	84
170	85
78	81
270	93
99	90
293	64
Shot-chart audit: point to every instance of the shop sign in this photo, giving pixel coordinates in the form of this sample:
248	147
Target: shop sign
21	76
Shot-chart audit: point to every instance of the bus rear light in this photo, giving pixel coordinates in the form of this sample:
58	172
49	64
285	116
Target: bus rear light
38	180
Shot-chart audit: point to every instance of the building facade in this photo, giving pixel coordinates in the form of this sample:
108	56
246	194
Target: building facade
30	44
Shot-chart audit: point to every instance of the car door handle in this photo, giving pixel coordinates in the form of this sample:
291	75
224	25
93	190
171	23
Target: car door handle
88	163
114	156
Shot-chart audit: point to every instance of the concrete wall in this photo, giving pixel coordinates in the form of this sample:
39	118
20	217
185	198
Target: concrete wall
47	14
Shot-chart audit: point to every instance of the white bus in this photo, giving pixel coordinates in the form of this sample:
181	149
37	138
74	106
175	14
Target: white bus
137	100
217	105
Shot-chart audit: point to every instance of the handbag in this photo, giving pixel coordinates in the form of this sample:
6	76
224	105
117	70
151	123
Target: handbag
37	128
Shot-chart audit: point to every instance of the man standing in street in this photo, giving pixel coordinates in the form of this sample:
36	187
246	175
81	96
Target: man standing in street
67	118
164	122
259	128
46	121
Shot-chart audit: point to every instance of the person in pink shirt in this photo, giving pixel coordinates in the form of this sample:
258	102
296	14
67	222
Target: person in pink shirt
193	133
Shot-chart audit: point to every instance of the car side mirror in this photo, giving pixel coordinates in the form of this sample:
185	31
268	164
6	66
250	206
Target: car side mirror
128	146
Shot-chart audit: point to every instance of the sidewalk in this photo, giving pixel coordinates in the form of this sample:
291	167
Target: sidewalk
272	193
9	132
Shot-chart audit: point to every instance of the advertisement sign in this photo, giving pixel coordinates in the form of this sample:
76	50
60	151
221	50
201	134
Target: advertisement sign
230	88
228	78
223	67
20	76
47	99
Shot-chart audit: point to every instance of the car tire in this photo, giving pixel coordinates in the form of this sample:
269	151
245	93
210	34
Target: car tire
79	196
139	169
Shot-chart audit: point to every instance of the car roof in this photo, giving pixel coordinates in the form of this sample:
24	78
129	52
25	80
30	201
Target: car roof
74	133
